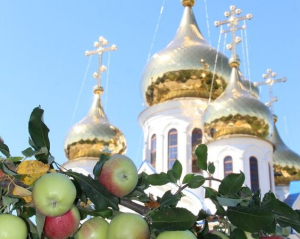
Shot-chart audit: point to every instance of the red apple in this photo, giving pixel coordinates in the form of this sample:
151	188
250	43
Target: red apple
63	226
53	194
119	175
12	227
128	226
94	228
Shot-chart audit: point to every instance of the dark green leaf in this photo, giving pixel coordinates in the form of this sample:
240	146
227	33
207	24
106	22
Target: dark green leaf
202	215
32	230
142	182
97	193
4	149
232	184
210	193
158	179
211	168
187	178
238	234
98	167
251	219
245	192
215	235
201	153
40	222
228	201
270	228
196	181
177	169
106	213
172	219
39	132
27	212
169	199
172	176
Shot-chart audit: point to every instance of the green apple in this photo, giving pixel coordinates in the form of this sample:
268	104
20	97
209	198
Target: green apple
176	235
119	175
128	226
53	194
94	228
62	226
12	227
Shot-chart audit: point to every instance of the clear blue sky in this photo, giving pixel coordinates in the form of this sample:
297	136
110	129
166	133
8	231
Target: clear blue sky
42	60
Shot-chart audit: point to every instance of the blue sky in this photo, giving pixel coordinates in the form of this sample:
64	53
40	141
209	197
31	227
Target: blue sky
42	60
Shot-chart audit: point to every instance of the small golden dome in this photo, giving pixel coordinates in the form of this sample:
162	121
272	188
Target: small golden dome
236	111
283	156
94	134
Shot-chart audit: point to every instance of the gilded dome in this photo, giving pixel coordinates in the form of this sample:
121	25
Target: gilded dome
236	111
185	68
283	156
94	134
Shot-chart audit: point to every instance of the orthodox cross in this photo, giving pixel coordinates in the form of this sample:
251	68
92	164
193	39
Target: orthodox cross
232	23
100	48
269	81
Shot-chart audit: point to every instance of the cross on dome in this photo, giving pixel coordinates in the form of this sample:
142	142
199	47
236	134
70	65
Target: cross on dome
232	23
269	81
100	48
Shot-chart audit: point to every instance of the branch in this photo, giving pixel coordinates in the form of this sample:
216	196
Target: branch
134	206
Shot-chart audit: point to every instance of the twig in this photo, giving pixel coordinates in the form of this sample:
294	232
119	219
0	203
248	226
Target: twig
134	206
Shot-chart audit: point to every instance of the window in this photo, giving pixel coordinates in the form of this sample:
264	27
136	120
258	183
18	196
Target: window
254	174
153	151
172	147
196	140
227	165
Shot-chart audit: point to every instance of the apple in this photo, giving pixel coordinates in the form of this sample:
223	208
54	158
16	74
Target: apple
12	227
94	228
119	175
128	226
62	226
53	194
176	235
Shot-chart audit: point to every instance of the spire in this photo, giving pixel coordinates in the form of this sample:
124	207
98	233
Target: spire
233	22
269	81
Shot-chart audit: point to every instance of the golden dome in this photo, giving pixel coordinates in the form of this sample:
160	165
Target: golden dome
94	134
283	156
236	111
185	67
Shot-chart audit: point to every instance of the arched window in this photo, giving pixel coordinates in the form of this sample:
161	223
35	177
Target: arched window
254	174
227	165
196	140
153	151
172	147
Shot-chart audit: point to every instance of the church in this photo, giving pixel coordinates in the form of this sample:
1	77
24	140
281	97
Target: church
194	95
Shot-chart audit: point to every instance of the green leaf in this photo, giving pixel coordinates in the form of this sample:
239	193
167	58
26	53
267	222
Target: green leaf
8	201
232	184
169	199
106	213
211	168
158	179
270	228
32	230
202	215
98	167
178	219
4	149
40	222
14	159
97	193
187	178
228	201
250	219
239	234
196	181
177	169
7	170
29	152
201	153
39	132
172	176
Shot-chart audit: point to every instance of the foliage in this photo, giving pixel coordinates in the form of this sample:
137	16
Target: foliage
237	208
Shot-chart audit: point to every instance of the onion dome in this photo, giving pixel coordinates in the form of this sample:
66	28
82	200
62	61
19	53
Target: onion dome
94	134
236	111
283	156
185	68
